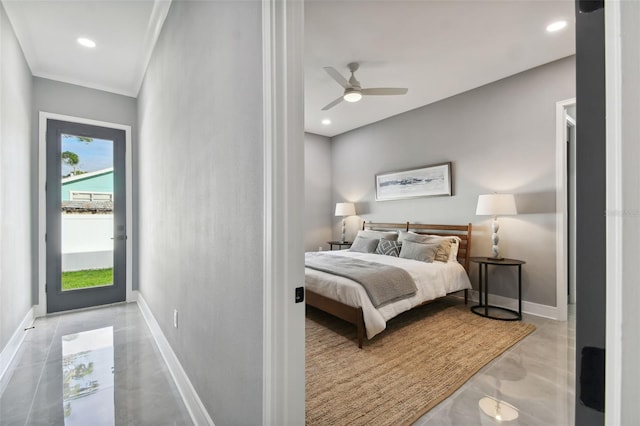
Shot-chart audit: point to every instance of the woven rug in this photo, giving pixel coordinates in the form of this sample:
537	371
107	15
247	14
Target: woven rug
422	357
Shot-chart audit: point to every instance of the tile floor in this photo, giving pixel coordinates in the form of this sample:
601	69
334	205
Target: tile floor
536	377
114	374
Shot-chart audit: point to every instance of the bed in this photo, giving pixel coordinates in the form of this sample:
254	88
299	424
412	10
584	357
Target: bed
348	300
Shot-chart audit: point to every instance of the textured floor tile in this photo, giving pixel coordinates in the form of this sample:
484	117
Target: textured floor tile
143	391
536	376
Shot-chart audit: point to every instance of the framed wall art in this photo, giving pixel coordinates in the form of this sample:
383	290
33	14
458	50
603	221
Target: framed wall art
427	181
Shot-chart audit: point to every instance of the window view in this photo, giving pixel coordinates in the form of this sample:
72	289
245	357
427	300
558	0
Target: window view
87	212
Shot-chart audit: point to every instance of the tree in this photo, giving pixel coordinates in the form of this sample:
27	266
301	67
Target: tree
71	159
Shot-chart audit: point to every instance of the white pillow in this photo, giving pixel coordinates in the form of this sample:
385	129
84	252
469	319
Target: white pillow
377	235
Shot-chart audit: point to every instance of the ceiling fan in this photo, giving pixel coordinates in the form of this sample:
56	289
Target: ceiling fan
353	91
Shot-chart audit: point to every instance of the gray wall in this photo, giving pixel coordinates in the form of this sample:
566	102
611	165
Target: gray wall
77	101
15	182
318	207
630	34
201	200
499	138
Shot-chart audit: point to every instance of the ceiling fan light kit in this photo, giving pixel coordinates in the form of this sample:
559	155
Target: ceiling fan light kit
352	95
353	90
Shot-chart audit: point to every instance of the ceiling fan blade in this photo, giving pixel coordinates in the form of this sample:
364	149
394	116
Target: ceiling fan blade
385	91
334	103
337	77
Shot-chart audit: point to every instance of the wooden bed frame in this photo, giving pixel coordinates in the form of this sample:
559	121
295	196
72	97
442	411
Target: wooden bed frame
354	315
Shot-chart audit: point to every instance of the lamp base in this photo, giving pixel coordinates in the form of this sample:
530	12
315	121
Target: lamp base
495	258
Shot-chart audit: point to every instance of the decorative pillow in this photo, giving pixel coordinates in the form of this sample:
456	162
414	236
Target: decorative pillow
444	251
377	235
389	248
455	245
442	255
364	245
418	251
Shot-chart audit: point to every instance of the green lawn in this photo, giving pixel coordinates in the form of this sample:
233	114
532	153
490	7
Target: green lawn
87	278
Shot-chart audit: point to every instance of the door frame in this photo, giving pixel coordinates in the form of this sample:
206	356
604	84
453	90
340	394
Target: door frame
283	388
41	306
562	209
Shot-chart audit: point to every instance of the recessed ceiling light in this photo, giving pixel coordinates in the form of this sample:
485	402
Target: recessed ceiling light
326	121
556	26
86	42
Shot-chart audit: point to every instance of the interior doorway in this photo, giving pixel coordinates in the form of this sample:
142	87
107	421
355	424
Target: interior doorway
566	148
85	215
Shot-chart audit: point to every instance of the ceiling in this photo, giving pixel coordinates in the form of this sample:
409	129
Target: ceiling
437	49
125	33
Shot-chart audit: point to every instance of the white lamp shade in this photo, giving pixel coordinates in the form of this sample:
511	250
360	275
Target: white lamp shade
496	204
345	209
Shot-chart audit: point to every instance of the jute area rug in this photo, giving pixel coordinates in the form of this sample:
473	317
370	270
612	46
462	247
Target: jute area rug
422	357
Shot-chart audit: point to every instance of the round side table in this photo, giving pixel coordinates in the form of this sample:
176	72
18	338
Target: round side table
483	308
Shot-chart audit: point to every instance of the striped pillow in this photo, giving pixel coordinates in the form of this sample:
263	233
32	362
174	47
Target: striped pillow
389	248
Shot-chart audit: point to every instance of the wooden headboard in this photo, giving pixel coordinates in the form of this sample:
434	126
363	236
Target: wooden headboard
461	231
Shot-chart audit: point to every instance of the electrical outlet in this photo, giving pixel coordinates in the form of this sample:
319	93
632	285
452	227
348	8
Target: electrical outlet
175	318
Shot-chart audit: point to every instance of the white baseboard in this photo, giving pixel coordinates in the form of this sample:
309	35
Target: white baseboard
536	309
12	346
198	412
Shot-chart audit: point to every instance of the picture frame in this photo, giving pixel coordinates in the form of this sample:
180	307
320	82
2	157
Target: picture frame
426	181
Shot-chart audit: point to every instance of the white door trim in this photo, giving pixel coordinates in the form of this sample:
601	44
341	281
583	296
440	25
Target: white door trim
562	208
614	217
283	120
41	307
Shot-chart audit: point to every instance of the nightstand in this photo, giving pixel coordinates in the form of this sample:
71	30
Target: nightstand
339	244
483	308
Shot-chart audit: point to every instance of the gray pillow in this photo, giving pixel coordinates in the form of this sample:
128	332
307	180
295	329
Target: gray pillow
364	245
387	235
389	248
417	251
415	237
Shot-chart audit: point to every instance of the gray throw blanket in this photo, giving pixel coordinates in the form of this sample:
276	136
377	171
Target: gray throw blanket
383	283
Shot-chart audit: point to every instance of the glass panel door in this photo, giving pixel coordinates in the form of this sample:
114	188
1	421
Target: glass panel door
86	236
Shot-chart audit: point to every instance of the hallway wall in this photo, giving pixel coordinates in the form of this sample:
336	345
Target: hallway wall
77	101
318	206
15	182
201	200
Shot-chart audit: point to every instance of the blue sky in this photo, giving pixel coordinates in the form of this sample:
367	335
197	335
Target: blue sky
96	155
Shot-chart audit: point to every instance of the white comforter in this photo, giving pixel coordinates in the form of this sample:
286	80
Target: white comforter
432	279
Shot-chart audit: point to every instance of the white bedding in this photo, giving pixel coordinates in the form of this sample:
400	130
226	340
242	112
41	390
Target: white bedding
432	279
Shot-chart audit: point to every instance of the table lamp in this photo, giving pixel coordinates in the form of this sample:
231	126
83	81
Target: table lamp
344	210
494	205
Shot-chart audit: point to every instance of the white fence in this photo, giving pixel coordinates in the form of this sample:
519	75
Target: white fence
87	241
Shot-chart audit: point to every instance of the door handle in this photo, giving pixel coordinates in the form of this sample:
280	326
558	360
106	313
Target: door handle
119	237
